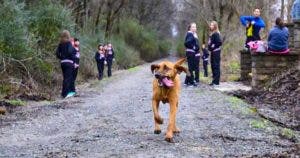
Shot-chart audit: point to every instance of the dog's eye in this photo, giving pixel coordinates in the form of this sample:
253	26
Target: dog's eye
166	68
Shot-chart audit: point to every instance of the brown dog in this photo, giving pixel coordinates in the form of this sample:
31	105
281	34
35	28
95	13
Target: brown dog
166	88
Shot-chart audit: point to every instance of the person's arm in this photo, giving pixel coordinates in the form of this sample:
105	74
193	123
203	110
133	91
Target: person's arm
58	55
97	57
189	41
245	20
260	23
113	54
210	45
71	52
218	41
287	32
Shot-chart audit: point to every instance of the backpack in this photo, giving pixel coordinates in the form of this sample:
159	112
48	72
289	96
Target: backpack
257	46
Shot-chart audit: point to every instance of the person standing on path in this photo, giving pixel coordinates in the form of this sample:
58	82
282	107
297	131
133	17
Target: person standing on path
214	46
205	58
100	59
67	55
76	63
253	25
110	57
192	49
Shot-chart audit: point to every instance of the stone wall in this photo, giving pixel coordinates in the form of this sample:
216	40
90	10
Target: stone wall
263	67
266	66
245	61
296	43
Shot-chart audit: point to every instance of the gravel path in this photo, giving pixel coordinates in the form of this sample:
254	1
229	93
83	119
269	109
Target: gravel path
113	118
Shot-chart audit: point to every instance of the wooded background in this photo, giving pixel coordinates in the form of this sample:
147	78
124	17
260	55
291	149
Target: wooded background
140	30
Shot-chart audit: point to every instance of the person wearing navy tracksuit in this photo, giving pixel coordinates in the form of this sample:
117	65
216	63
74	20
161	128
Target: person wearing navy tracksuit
110	57
100	59
214	46
205	59
67	54
192	49
253	25
77	48
197	66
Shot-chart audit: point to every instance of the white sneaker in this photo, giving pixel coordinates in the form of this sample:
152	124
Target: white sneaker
71	94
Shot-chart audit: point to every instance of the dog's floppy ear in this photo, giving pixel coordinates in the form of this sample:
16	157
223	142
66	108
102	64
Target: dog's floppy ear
181	69
180	61
154	67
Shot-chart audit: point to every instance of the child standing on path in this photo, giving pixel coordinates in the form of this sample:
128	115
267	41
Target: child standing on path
67	54
76	63
100	59
192	48
110	57
214	46
205	57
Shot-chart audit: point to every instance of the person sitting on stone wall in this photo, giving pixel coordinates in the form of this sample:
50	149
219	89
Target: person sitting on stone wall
278	38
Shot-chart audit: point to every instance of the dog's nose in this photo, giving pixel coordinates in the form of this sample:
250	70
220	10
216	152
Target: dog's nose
157	75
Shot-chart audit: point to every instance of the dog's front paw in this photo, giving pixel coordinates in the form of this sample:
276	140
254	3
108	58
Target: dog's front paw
169	137
157	131
176	130
170	140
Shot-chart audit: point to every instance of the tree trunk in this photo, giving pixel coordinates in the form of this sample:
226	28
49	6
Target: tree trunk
282	9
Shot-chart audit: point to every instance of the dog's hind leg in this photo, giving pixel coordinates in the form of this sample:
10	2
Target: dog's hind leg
172	117
157	119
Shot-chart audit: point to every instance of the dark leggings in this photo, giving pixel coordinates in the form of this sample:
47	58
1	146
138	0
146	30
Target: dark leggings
100	66
68	71
215	66
205	65
197	69
191	67
109	65
75	72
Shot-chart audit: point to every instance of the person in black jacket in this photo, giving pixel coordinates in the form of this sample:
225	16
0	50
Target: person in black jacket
214	46
205	59
192	48
67	54
110	57
77	48
100	59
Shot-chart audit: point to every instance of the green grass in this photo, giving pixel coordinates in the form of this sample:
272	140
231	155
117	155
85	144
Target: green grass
16	102
259	124
233	77
238	104
288	133
134	69
235	101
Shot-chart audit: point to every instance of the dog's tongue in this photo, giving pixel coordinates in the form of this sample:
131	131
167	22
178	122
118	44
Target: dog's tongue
168	82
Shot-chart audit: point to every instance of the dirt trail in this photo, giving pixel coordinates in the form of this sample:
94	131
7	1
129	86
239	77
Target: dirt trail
115	120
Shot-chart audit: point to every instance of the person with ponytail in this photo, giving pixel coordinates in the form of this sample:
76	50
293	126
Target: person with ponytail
214	46
192	53
67	55
278	38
